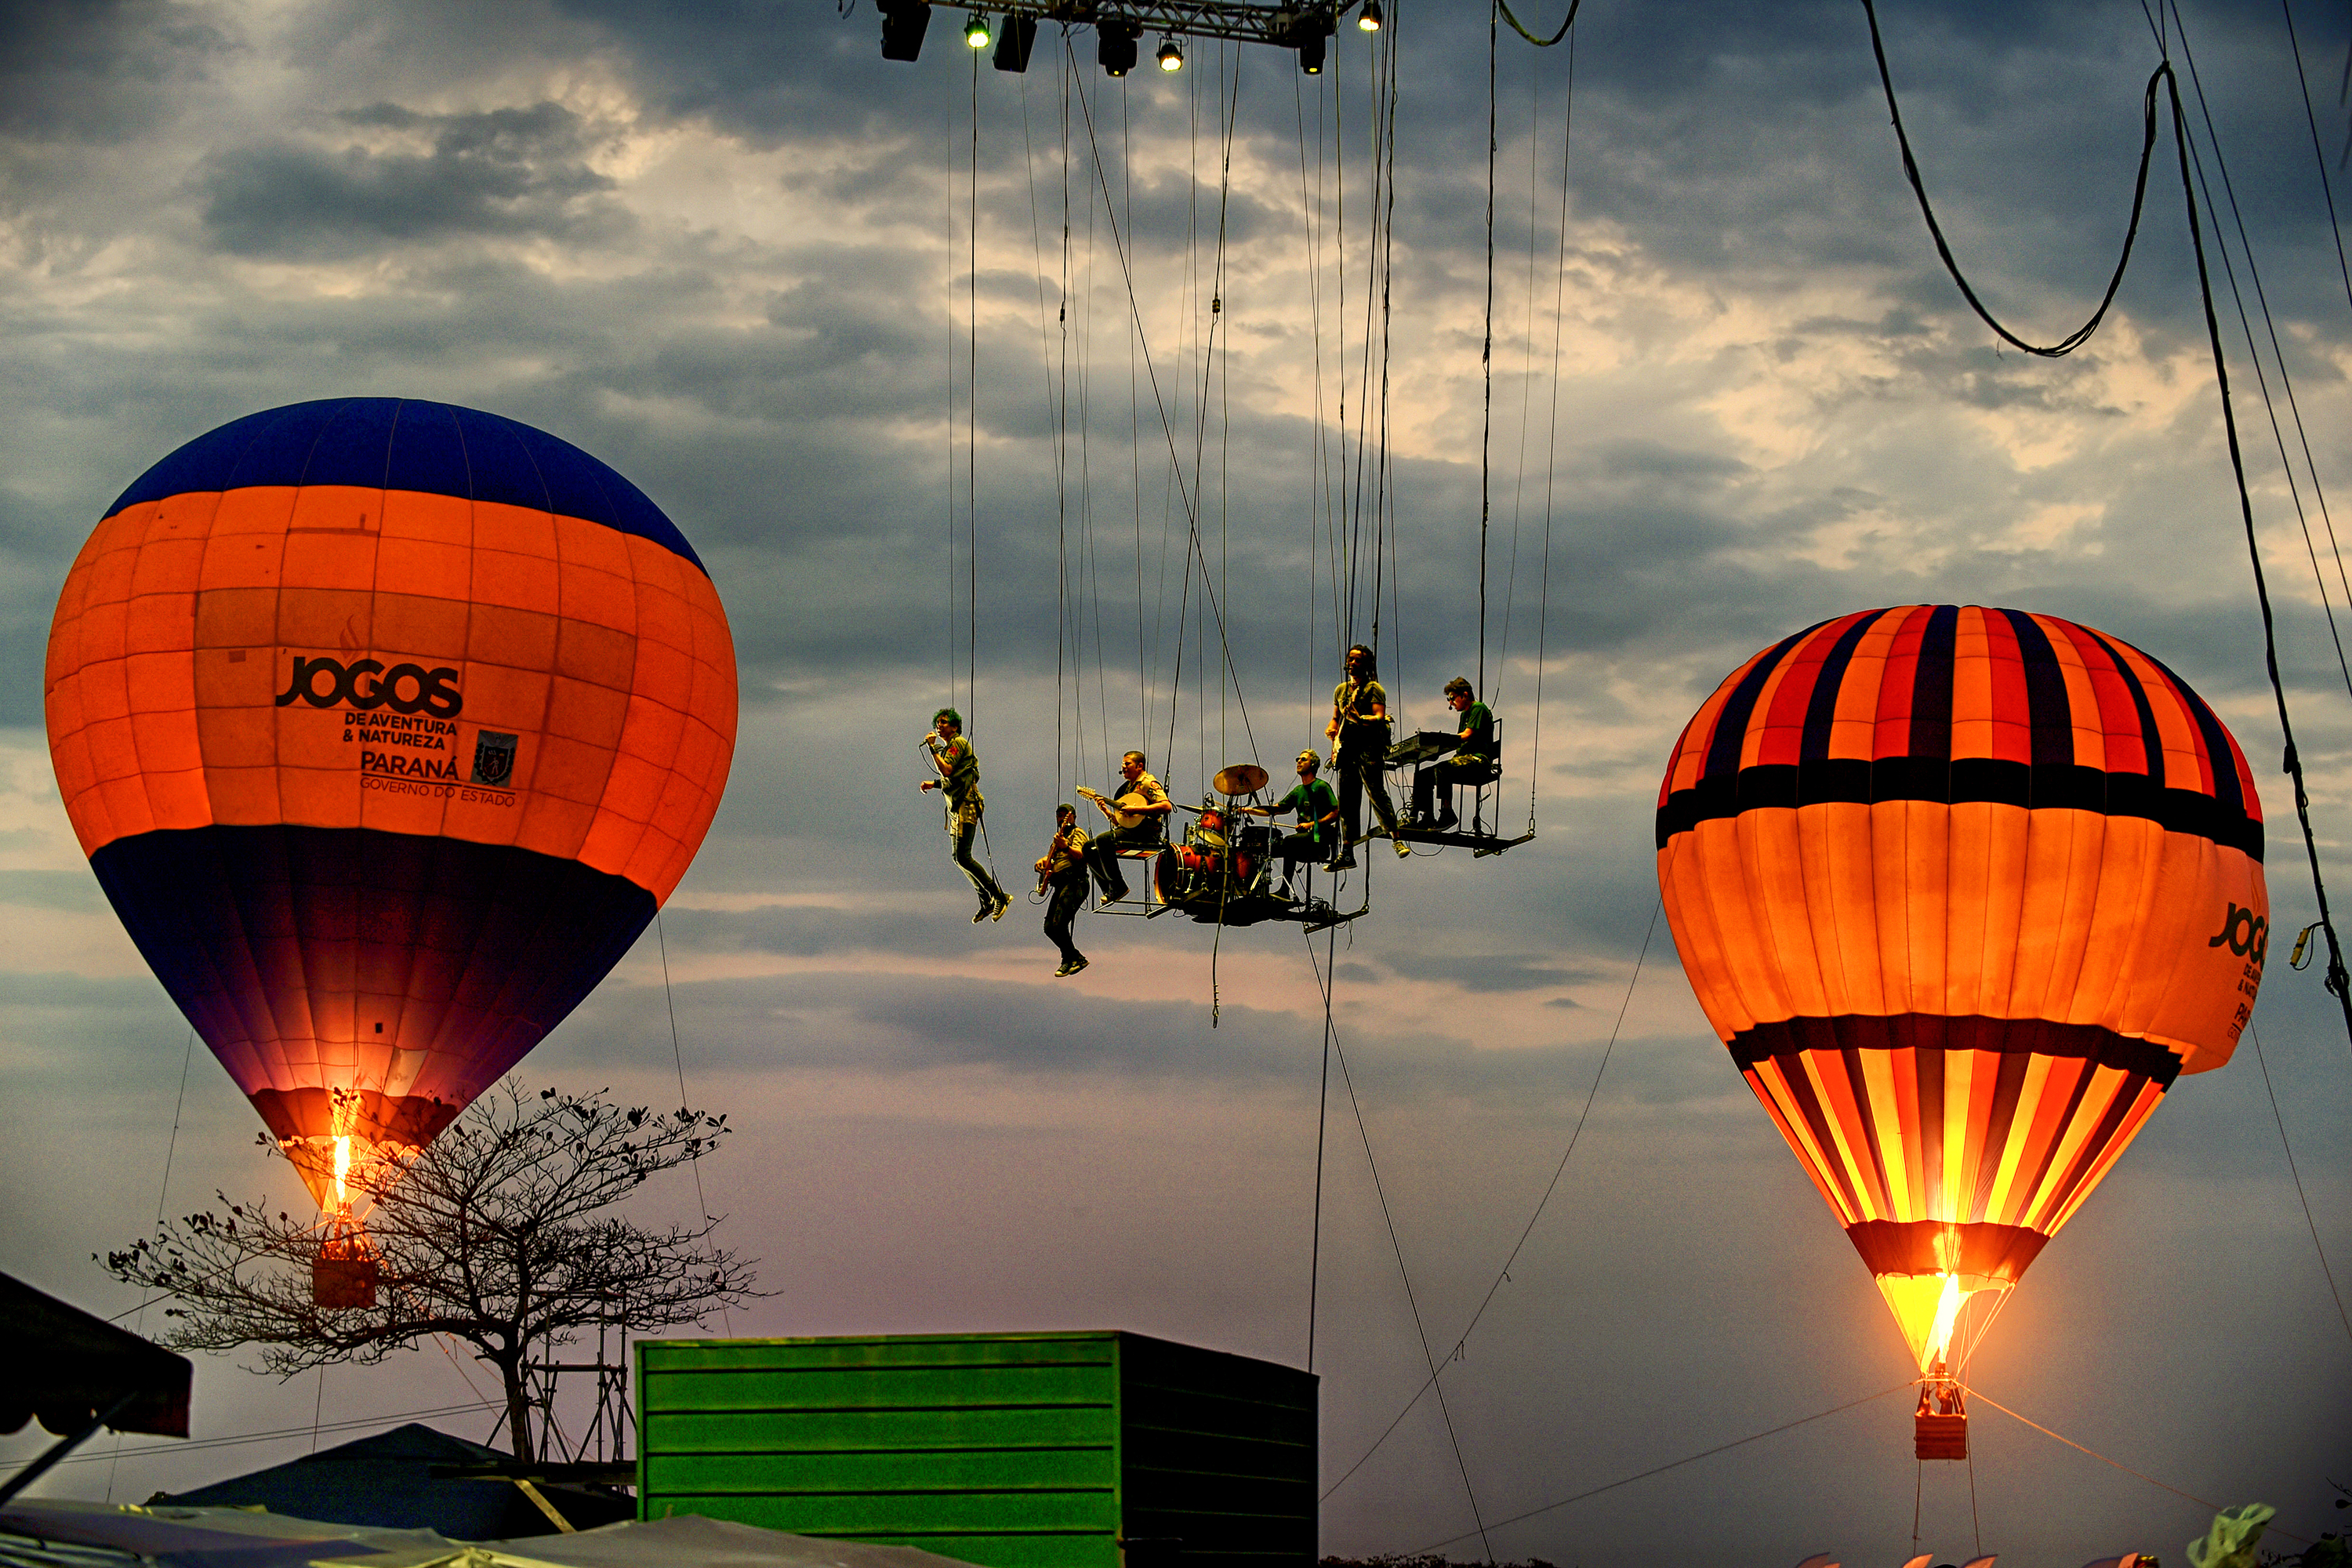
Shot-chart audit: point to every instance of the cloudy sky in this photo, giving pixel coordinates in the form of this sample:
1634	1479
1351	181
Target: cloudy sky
729	250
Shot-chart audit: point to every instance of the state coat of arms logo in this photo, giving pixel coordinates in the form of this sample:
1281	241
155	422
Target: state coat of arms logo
494	760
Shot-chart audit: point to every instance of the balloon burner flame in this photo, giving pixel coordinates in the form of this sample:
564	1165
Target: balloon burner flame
1947	1311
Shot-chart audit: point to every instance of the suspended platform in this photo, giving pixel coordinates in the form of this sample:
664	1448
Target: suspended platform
1480	844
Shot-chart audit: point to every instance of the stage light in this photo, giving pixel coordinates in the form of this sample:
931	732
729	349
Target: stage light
975	31
1369	20
1115	45
1310	53
1013	41
1170	58
904	22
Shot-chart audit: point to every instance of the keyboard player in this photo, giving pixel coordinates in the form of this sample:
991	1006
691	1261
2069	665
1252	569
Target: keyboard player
1473	761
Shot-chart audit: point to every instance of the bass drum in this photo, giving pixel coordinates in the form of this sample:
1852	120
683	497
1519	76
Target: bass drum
1168	874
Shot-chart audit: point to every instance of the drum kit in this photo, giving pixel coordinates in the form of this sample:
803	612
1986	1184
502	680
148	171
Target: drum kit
1221	871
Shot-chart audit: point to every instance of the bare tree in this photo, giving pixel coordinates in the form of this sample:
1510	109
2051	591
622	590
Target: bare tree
497	1235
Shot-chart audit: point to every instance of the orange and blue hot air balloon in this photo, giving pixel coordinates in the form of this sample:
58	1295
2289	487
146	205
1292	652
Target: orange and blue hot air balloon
1965	891
387	726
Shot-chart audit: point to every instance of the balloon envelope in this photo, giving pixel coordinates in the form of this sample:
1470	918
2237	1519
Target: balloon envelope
387	726
1964	890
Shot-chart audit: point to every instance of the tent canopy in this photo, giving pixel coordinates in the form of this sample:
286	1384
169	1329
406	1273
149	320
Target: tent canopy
386	1482
68	1368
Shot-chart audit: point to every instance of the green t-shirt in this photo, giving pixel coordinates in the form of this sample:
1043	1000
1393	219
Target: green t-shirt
1361	733
1313	801
1479	719
963	776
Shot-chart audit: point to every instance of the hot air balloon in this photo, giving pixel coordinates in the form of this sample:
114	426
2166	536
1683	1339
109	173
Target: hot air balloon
1964	890
387	726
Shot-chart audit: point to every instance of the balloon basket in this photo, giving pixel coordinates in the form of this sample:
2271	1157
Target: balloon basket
1940	1428
345	1274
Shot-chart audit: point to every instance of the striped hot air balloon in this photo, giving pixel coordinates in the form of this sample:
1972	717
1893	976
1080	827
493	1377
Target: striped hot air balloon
386	726
1964	890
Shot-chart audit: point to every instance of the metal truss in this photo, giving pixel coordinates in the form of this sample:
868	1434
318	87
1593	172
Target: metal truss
1286	24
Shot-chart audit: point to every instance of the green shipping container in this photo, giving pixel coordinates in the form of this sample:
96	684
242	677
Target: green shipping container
1073	1450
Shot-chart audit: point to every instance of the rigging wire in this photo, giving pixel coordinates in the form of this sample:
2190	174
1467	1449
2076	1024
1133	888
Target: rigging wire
162	1193
2262	380
1396	1245
1487	348
1196	550
677	1056
1551	452
971	428
1503	1274
2326	187
2151	1480
1678	1463
2301	1197
2338	981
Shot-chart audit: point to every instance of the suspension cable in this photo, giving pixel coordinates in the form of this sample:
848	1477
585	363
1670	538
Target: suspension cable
1521	28
2080	334
2338	981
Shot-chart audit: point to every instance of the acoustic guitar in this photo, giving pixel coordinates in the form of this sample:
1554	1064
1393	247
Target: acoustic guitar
1124	812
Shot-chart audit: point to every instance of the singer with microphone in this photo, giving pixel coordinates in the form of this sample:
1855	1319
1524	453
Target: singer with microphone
959	785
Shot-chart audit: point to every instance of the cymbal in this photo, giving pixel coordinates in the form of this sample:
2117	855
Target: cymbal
1242	778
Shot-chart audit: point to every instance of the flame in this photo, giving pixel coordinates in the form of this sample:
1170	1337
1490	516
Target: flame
1947	1309
344	1169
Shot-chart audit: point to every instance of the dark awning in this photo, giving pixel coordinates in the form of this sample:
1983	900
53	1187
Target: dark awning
68	1368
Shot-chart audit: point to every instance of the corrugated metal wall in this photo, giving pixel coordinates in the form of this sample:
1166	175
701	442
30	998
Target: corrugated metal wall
1009	1450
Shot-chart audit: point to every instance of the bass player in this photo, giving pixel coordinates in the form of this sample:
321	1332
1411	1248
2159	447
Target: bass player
1138	819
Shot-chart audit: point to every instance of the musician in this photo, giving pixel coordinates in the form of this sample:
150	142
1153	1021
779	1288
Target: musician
1139	821
1473	761
1062	878
1317	838
958	783
1358	730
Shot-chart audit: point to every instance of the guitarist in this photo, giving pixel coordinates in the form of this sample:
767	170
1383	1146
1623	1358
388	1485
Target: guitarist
1062	878
1139	821
1358	731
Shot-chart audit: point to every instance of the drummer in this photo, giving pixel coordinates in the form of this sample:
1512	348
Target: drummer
1317	838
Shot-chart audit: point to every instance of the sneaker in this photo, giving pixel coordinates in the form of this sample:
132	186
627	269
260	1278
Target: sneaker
1404	850
1074	965
1115	894
986	912
1004	903
1446	824
1344	863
